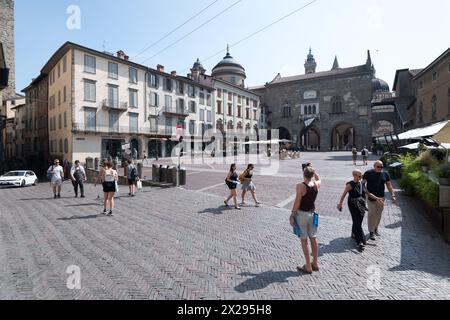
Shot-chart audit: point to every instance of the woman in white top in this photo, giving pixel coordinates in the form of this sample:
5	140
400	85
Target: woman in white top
109	178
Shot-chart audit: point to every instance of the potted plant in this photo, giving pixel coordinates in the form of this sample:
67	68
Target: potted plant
443	173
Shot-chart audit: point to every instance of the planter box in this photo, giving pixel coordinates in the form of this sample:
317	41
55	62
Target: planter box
444	196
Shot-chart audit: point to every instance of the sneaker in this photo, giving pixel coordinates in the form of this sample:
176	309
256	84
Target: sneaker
226	204
360	248
110	213
377	234
257	204
59	196
104	211
237	208
372	236
76	196
83	196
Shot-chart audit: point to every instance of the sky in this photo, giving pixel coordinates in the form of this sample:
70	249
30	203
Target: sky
400	34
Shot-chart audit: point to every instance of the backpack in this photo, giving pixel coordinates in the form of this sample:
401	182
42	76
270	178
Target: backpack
133	173
242	177
50	174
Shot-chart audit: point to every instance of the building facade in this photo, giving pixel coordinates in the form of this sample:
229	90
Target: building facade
7	42
329	110
432	85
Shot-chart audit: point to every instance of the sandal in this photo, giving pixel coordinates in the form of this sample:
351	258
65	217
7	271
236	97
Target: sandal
226	204
303	270
315	269
237	208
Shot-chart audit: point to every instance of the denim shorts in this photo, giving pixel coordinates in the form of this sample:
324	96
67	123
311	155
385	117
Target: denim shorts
305	221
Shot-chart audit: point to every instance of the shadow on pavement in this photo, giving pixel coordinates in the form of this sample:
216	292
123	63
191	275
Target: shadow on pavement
262	280
339	245
216	210
38	199
94	216
84	204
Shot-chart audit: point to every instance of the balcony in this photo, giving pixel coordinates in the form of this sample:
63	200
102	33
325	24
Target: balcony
102	129
114	105
176	111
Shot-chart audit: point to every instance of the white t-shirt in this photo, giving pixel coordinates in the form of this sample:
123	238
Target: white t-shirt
110	176
56	172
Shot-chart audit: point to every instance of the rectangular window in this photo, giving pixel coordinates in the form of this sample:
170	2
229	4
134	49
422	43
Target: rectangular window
255	104
208	100
64	94
168	84
113	96
208	116
169	128
239	108
133	95
168	101
191	91
247	102
254	115
89	90
65	119
154	99
152	80
64	64
113	70
133	122
192	107
202	115
89	64
113	121
59	121
133	75
239	100
219	107
247	113
192	127
202	98
180	87
180	106
230	96
230	109
219	93
435	76
59	98
59	70
90	118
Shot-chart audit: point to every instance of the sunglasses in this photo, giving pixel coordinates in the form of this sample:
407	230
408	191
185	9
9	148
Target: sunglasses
379	167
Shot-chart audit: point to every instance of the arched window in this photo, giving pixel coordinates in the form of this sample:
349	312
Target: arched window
314	110
239	125
219	125
336	104
230	125
421	112
433	107
247	127
305	111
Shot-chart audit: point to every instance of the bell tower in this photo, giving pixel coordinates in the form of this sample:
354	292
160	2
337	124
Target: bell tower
310	63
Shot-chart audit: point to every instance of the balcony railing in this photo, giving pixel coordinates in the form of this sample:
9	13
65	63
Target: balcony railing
161	130
114	105
176	111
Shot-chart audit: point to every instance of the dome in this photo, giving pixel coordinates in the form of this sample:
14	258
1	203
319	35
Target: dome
379	85
228	67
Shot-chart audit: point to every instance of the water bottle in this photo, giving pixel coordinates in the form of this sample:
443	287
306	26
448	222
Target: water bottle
316	219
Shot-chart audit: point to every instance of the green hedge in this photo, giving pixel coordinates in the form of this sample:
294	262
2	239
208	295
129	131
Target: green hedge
414	179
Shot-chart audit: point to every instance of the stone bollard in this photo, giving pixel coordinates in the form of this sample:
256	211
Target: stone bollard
182	177
96	164
89	163
162	174
175	176
155	173
140	170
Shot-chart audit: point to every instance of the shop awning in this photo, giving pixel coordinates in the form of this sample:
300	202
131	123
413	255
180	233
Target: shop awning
433	130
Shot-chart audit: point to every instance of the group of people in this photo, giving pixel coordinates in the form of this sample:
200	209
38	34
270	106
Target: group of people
364	154
365	193
108	177
245	181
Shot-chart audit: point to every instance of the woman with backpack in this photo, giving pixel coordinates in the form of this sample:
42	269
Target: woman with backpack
357	206
132	178
232	183
246	179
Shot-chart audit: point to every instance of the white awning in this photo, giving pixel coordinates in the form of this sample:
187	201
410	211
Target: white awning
415	146
429	131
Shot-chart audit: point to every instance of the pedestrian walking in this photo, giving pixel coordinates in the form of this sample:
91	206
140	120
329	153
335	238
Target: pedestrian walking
135	154
78	176
56	173
132	177
365	155
246	179
109	178
375	181
357	206
145	157
354	155
232	183
305	218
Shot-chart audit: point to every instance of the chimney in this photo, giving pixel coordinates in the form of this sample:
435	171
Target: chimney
126	58
174	73
120	54
189	76
160	68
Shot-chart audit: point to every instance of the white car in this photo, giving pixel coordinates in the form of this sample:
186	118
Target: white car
19	178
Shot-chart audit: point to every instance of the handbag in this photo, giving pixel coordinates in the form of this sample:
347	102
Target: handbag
360	203
117	187
50	174
139	185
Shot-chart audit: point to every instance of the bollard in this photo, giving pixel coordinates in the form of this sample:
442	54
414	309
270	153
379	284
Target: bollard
155	173
140	170
162	173
182	175
169	177
96	164
89	163
175	176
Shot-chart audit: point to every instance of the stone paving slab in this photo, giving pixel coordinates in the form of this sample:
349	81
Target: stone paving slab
179	244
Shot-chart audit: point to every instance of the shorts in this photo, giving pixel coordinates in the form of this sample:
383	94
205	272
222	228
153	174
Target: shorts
57	183
365	158
355	157
109	187
305	222
248	187
131	182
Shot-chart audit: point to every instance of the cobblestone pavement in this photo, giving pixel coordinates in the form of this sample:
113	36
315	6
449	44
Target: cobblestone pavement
182	244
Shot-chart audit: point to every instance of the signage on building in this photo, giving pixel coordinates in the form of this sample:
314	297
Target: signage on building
126	146
311	94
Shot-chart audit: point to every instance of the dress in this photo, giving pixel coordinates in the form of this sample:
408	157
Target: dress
234	177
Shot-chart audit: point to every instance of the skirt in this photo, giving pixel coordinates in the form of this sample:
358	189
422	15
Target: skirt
109	187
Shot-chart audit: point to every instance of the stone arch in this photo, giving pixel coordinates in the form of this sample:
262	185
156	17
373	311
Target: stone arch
343	136
382	127
284	133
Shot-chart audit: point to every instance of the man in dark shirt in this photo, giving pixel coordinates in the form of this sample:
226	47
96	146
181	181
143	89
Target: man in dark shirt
375	181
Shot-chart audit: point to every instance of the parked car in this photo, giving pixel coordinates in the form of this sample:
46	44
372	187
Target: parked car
20	178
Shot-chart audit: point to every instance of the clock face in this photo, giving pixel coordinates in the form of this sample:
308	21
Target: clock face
310	95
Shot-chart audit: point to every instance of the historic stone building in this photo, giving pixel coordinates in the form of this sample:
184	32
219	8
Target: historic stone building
7	41
328	110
